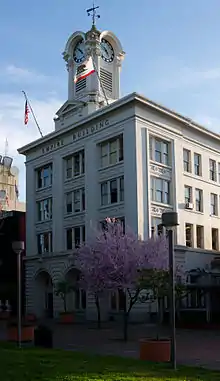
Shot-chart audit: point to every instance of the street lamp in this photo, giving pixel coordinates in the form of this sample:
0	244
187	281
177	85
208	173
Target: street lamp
169	221
18	248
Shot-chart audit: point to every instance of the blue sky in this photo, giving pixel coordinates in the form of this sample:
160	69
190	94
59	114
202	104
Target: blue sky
172	57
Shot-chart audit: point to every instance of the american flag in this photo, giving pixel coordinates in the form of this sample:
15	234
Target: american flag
26	112
16	190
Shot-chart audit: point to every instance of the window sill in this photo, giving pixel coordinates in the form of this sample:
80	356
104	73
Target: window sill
43	222
44	188
160	204
74	178
111	205
110	166
75	214
214	216
161	164
193	211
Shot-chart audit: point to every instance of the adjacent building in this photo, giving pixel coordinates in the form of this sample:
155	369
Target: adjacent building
129	158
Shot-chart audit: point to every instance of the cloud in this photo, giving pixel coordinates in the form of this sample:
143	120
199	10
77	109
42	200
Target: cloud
19	75
12	126
186	77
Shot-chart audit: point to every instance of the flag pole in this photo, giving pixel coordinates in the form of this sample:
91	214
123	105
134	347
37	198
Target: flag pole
32	112
103	90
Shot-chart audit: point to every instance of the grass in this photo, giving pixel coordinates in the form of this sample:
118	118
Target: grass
56	365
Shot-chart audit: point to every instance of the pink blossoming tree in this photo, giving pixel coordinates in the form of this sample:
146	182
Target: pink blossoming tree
113	260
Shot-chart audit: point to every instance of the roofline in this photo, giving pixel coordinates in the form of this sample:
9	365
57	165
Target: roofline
114	106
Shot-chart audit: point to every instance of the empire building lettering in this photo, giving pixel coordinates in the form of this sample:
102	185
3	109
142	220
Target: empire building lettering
90	130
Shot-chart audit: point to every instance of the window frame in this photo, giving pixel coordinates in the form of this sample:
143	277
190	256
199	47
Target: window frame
40	176
118	151
50	242
71	195
72	230
164	196
70	165
41	217
105	191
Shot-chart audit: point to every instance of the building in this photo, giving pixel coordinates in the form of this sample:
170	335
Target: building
9	186
12	228
132	159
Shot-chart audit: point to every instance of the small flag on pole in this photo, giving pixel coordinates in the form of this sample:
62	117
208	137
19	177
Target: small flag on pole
84	70
26	112
16	190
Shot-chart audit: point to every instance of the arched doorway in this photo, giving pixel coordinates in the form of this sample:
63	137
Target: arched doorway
44	294
77	299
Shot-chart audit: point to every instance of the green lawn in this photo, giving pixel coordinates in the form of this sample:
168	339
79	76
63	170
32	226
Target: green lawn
51	365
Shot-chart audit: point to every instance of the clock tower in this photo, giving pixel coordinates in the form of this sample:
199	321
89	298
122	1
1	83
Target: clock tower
102	86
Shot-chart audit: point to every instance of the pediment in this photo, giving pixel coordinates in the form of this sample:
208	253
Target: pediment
69	106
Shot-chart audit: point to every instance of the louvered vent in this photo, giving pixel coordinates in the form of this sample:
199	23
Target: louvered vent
81	84
106	79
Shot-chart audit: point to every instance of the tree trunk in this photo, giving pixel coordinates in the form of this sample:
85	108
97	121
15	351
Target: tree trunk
125	330
98	311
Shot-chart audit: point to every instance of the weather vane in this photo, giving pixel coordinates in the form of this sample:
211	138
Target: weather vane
93	12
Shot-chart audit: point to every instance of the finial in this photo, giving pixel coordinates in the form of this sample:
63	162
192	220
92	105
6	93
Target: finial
93	12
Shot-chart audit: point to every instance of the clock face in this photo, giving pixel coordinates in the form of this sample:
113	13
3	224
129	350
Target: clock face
79	52
107	51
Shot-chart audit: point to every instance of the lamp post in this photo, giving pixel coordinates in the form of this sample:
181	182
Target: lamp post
18	248
169	221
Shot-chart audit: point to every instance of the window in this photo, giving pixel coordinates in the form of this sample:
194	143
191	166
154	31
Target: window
103	224
156	226
197	164
44	209
199	200
186	160
75	165
159	150
200	236
44	242
160	190
189	235
118	300
215	239
112	191
75	237
219	172
214	204
80	299
75	201
112	151
44	176
212	170
188	194
196	299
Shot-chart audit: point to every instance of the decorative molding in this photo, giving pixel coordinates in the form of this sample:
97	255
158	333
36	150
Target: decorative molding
158	210
160	170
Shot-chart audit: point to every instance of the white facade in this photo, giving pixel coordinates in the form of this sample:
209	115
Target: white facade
124	160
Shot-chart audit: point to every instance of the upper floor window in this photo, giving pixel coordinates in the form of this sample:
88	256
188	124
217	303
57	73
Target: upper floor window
112	191
214	204
199	200
200	236
159	151
75	165
44	176
215	239
156	226
112	151
44	242
121	220
160	190
75	201
189	234
75	237
212	170
188	194
186	160
44	209
197	164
